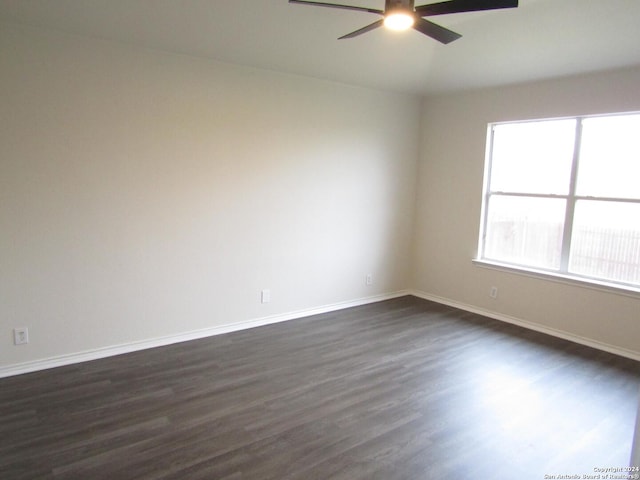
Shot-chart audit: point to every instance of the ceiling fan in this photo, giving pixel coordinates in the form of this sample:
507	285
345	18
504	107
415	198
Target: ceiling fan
403	14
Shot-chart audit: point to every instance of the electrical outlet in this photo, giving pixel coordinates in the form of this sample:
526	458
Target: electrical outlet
20	336
265	296
369	279
493	293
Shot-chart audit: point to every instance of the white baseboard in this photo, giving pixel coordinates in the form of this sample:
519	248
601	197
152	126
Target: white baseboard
623	352
95	354
98	353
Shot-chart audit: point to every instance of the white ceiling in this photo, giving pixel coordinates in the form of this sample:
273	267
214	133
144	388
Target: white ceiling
539	39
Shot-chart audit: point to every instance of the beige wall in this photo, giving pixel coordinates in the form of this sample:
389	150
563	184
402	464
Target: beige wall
145	194
449	201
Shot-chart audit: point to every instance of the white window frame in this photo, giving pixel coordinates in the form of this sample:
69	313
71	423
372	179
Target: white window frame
562	274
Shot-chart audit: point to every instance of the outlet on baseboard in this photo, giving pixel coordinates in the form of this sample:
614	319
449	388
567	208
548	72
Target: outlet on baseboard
493	293
20	335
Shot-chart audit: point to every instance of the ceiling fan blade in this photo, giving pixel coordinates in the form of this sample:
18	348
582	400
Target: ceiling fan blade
366	29
459	6
334	5
441	34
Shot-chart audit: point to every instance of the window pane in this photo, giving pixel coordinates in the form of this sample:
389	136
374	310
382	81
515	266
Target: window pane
526	231
610	157
533	157
606	241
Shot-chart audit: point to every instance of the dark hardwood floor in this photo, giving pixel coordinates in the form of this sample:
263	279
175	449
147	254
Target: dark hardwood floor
401	389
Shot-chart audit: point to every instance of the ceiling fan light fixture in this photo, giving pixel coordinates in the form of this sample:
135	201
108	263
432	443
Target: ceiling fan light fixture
399	20
403	14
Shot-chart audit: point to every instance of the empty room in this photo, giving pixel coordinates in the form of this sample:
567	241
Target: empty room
359	239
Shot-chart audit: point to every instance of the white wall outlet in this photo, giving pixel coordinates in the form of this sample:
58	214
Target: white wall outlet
265	296
493	293
369	279
20	335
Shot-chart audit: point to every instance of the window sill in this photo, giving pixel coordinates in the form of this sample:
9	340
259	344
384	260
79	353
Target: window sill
628	291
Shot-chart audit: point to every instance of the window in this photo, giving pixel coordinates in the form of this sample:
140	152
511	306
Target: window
563	196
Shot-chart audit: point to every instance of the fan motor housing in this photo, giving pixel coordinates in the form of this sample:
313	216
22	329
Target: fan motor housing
404	5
